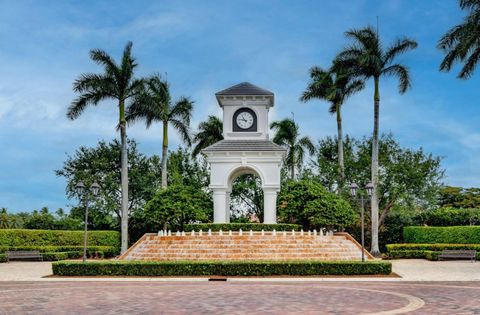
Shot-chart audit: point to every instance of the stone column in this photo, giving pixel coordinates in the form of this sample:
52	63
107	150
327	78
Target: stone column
227	206
269	205
219	202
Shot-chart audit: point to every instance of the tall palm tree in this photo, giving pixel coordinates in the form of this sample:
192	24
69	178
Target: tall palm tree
209	132
155	104
333	86
117	82
462	42
287	135
367	58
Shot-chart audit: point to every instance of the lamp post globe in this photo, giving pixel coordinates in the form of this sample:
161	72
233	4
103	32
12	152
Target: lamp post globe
369	188
80	188
95	188
353	189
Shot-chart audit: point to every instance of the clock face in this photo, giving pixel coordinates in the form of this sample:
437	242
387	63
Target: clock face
244	120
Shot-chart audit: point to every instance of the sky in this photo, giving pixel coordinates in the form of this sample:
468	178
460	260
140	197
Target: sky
203	47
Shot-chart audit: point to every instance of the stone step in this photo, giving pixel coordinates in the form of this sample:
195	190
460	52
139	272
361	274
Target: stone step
244	247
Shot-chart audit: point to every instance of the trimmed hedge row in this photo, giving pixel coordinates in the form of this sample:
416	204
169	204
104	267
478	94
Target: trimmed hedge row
3	258
425	254
219	268
56	256
427	251
107	251
433	247
244	226
22	237
436	234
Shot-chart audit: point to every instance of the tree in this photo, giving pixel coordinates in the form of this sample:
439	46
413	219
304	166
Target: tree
209	132
366	58
247	197
172	208
101	164
409	178
186	170
458	197
308	203
155	104
333	86
461	44
117	82
287	135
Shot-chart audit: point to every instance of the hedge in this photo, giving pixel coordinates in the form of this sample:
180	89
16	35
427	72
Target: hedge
244	226
447	234
449	217
107	251
21	237
427	251
219	268
3	258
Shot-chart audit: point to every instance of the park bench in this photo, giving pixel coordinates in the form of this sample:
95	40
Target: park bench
457	254
24	255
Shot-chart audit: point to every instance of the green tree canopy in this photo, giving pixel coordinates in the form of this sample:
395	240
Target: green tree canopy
308	203
408	177
172	208
101	164
458	197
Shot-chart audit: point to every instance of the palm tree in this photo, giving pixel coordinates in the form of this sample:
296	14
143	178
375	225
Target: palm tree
118	83
209	132
366	58
333	86
287	135
462	42
154	104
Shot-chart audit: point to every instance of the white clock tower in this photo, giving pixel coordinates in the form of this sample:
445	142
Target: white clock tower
246	149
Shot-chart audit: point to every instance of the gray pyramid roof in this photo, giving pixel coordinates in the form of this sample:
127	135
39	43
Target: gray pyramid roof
244	88
244	145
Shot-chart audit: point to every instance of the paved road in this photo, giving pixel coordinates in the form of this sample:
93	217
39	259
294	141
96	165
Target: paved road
239	297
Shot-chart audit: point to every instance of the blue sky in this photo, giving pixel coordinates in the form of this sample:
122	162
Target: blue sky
205	46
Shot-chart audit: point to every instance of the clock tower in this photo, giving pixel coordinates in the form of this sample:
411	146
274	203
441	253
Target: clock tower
246	149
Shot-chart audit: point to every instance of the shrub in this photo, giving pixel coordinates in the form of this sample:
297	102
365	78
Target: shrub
56	256
3	258
19	237
172	208
449	217
427	251
244	226
108	251
308	203
187	268
448	235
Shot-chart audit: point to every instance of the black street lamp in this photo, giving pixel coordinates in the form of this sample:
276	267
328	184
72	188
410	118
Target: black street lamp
85	193
353	191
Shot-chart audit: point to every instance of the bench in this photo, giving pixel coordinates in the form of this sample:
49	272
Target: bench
24	255
457	254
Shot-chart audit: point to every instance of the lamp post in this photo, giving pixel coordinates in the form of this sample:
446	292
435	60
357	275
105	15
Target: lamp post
85	193
353	191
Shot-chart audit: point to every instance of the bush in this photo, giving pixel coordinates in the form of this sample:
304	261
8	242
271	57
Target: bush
255	268
427	251
172	208
108	251
56	256
244	226
3	258
449	217
308	203
447	235
19	237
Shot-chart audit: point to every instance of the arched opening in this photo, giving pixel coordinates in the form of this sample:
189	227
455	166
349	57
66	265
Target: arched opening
245	202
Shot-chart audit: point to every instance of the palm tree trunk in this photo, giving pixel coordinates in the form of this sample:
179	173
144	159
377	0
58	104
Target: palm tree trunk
124	179
164	154
341	165
374	202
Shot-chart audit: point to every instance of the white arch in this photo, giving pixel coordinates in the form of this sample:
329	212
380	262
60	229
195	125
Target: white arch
239	170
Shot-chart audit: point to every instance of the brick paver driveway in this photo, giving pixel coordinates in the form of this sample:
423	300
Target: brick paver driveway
240	297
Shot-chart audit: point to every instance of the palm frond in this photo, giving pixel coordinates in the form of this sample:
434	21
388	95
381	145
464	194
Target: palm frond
402	73
77	107
183	130
399	47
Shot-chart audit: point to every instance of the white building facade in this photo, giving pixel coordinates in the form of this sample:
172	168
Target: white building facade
246	149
